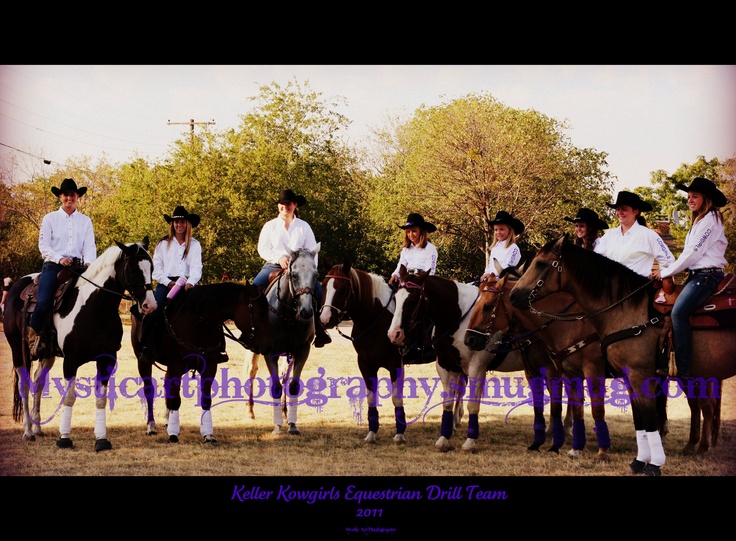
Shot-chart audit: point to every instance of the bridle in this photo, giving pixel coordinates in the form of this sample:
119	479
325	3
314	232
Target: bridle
128	284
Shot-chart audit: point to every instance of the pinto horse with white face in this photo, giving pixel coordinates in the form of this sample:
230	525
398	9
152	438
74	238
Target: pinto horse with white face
619	304
447	303
87	327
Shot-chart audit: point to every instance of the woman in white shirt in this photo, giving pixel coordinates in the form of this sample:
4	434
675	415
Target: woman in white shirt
632	243
418	253
588	227
504	248
283	233
703	257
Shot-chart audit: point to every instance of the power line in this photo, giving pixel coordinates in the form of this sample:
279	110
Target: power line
191	125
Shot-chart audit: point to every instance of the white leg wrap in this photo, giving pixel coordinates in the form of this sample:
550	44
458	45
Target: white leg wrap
642	444
205	425
172	428
278	417
291	409
65	426
656	448
100	424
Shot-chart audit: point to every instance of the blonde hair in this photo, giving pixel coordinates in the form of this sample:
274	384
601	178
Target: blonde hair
511	239
423	238
187	236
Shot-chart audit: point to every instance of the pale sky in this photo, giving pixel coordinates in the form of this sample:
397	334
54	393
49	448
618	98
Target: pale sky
646	117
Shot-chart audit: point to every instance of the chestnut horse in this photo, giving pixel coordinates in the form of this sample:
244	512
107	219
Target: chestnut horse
192	333
87	328
619	304
448	304
572	345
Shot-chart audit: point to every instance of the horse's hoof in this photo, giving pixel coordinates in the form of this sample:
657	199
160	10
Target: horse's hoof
650	470
210	439
64	443
554	449
293	430
469	446
533	447
151	432
637	466
574	453
102	445
29	437
173	439
399	439
370	438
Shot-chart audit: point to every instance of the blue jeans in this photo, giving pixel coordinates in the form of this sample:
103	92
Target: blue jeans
698	287
47	284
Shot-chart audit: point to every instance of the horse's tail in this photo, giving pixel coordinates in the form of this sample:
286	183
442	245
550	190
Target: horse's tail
716	422
253	372
17	401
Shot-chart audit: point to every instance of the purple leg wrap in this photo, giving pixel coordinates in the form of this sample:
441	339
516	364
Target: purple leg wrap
540	428
448	423
601	430
473	427
373	418
558	433
578	434
400	420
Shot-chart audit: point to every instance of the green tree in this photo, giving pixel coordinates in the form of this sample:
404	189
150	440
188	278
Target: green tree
461	162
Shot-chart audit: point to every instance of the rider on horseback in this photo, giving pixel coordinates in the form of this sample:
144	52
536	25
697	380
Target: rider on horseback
66	236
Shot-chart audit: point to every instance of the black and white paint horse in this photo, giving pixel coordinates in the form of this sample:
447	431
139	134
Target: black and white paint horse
88	328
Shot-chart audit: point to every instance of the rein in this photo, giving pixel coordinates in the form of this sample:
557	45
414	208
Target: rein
128	285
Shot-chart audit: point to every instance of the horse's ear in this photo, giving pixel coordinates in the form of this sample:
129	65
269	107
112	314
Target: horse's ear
499	270
122	246
144	243
316	249
520	268
346	265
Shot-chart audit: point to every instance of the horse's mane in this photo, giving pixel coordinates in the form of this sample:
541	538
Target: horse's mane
368	284
105	261
204	300
609	279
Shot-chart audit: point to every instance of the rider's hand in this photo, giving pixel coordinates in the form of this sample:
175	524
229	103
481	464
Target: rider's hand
284	262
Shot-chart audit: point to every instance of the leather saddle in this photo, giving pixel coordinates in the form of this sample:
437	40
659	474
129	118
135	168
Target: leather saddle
29	295
719	310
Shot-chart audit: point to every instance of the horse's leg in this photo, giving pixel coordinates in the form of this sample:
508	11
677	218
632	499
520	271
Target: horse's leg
272	362
448	402
172	391
537	386
478	388
397	397
205	423
716	420
598	409
576	400
694	436
650	452
370	378
23	382
555	386
105	368
292	393
39	384
145	371
65	425
708	405
459	392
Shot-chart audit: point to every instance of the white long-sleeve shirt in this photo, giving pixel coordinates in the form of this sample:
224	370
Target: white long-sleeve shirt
67	235
507	256
415	257
276	240
169	260
705	246
636	249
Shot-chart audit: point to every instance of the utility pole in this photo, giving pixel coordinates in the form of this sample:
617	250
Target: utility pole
191	125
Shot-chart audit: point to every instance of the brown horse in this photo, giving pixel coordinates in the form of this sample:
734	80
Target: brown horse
192	333
619	304
369	302
571	345
448	304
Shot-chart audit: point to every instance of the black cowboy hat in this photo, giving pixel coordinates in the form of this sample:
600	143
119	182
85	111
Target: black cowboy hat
418	220
68	185
288	196
180	213
503	217
590	217
632	200
707	188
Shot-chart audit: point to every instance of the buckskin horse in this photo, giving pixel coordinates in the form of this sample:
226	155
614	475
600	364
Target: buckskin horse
448	304
87	327
571	345
619	304
368	301
192	332
291	314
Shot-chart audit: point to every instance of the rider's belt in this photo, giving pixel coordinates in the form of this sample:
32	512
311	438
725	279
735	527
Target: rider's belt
414	271
710	270
173	278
